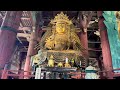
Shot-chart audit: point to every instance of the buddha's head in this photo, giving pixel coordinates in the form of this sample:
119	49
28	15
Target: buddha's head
61	21
60	28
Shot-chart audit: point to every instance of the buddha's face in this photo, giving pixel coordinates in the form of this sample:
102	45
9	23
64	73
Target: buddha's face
60	28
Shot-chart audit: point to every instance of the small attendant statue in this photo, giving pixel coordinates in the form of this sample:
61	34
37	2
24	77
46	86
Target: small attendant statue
51	61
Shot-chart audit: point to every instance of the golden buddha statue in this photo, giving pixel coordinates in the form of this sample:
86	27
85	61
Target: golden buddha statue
51	61
62	35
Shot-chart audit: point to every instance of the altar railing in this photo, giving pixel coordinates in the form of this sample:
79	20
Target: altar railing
7	74
18	74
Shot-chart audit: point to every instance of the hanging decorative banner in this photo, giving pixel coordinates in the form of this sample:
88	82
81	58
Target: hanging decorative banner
112	31
38	73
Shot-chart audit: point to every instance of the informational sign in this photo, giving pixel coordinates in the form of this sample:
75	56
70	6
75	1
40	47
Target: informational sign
38	73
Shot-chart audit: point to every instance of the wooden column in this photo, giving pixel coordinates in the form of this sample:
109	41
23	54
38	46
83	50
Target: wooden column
107	60
84	42
32	42
84	19
31	51
8	33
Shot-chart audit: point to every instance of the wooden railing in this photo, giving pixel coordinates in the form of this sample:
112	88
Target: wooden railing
19	74
5	74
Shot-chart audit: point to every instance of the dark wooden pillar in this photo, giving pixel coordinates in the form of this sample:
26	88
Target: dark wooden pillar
107	59
8	33
31	51
84	19
32	42
84	42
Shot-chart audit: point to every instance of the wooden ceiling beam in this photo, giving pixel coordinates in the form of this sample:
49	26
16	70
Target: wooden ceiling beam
25	28
91	49
23	35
